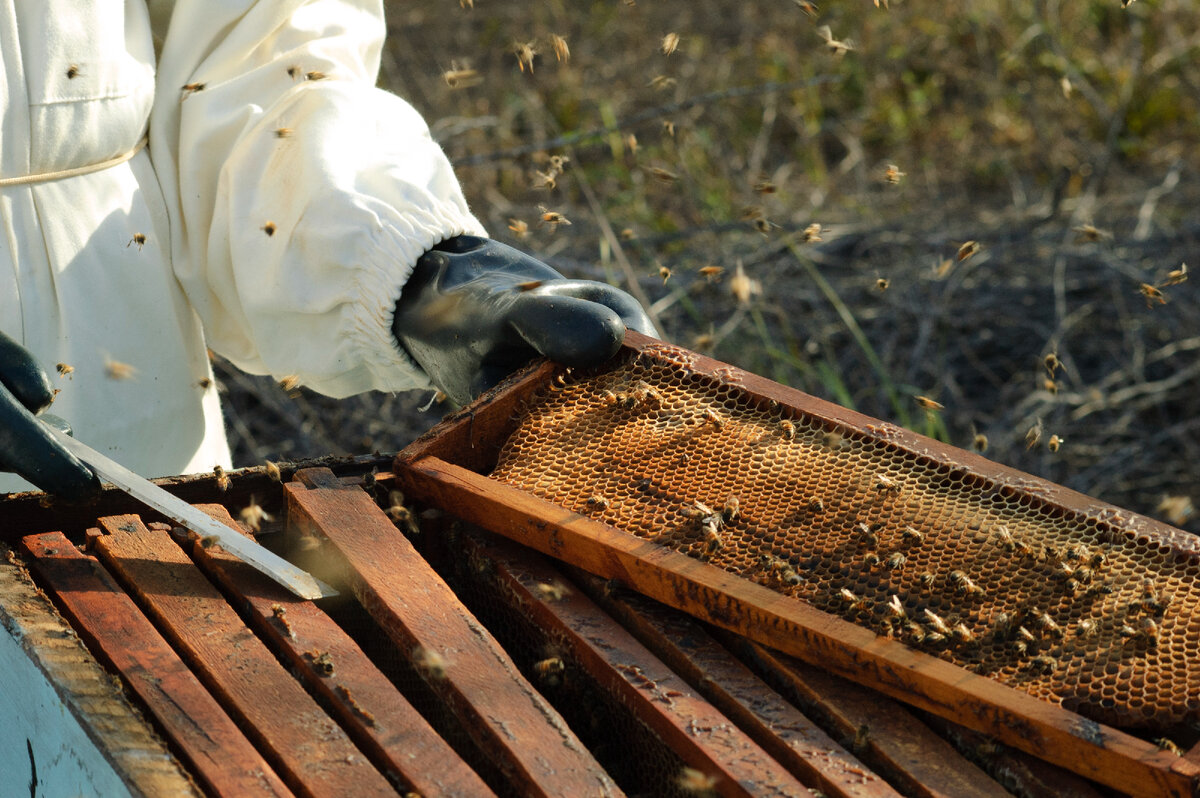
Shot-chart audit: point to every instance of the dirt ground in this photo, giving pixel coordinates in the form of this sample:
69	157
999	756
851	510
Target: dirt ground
1060	139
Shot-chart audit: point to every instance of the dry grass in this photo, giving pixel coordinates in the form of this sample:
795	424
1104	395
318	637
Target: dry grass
1016	126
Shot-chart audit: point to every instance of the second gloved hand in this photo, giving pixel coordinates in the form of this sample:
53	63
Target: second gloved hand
475	309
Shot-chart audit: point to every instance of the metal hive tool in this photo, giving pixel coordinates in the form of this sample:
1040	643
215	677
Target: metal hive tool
997	578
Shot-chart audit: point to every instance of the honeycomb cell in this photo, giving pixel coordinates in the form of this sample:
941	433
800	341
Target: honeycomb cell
1067	606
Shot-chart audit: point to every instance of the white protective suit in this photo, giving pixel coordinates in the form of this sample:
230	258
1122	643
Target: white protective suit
281	129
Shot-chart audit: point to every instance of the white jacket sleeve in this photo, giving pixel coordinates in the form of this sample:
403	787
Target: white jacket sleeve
300	195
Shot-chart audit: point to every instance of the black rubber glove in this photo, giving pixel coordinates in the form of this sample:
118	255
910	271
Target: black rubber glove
475	309
26	446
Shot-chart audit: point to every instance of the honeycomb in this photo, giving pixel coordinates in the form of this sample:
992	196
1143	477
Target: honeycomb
1070	606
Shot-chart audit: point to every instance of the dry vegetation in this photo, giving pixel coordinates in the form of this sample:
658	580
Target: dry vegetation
1063	139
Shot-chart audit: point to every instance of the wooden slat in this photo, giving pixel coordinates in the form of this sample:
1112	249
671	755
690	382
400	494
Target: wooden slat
1018	719
114	629
477	681
307	748
920	762
778	726
375	714
694	729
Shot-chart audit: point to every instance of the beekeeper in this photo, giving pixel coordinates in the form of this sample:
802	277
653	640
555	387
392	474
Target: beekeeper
246	190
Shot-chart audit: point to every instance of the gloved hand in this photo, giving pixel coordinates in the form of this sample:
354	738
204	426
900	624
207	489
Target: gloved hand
26	446
475	309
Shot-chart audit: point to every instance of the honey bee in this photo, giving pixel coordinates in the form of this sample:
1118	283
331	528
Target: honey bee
1085	628
691	780
669	43
963	584
252	515
698	509
1001	625
1022	548
787	429
895	608
283	132
665	273
853	603
315	74
926	579
561	51
866	536
223	481
525	53
838	48
893	175
731	510
1025	634
598	501
1033	435
965	251
289	382
882	284
273	472
862	735
139	239
430	662
1165	744
519	228
1043	664
192	88
64	369
935	621
912	536
895	561
886	484
552	591
1088	232
870	559
1152	294
551	666
1047	624
116	370
552	218
269	228
962	633
811	234
712	537
1005	537
713	418
931	405
1177	276
1054	443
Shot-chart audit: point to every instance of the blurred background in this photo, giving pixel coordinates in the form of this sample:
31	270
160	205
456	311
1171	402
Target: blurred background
990	205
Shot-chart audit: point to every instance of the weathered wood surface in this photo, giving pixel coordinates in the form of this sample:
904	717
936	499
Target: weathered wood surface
461	662
694	729
1050	732
208	741
375	714
307	748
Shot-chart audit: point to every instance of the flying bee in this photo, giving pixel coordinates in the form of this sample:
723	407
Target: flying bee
518	227
661	82
1051	363
764	186
552	591
284	132
968	249
294	71
192	88
116	370
315	74
762	224
64	369
895	561
139	239
269	228
811	234
838	48
912	536
807	6
1033	435
669	43
893	175
695	781
980	442
289	382
525	53
252	515
711	273
222	478
546	180
552	218
882	284
661	175
1054	443
935	621
1152	294
1089	232
561	51
931	405
73	72
665	273
1177	276
273	472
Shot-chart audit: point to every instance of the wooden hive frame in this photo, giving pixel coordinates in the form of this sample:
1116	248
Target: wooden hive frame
448	468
